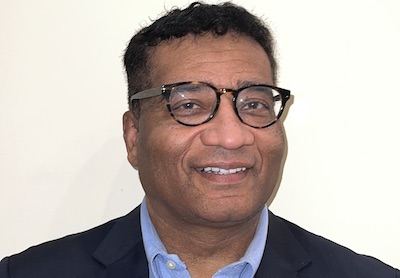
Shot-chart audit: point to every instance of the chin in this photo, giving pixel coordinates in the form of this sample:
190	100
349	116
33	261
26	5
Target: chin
230	212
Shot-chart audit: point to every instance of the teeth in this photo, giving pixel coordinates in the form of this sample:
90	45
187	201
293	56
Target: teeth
220	171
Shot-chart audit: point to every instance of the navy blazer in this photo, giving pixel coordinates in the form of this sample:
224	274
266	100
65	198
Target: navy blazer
115	250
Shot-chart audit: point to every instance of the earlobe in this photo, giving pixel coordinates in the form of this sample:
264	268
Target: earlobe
130	125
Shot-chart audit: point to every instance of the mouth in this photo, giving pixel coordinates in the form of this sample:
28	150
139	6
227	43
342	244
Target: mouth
221	171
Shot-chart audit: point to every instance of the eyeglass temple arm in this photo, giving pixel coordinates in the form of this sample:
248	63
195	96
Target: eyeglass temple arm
147	93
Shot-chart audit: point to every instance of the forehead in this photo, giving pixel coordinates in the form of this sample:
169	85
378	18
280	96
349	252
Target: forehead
224	61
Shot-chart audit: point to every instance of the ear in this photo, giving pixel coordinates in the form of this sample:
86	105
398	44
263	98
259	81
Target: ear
130	125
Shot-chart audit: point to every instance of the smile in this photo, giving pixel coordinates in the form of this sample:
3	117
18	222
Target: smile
220	171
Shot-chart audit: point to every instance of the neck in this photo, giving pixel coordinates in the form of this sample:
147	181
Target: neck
205	248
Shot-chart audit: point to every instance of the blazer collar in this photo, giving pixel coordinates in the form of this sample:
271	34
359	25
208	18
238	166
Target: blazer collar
122	249
283	256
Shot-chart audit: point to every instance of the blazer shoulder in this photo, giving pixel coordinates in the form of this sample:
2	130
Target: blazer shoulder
63	254
327	258
71	254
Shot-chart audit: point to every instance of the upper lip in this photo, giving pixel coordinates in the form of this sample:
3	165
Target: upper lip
225	165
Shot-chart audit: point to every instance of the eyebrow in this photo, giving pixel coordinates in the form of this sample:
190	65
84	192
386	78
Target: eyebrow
245	83
241	84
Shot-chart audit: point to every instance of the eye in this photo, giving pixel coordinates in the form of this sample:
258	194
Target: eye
188	107
253	105
256	101
185	106
192	100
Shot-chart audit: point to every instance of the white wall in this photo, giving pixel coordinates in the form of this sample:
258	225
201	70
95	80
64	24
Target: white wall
62	95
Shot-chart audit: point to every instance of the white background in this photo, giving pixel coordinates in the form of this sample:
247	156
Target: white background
63	165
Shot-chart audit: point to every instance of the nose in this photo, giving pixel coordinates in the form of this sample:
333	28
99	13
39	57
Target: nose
225	129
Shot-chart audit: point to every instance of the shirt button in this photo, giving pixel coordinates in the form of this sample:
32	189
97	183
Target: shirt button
171	264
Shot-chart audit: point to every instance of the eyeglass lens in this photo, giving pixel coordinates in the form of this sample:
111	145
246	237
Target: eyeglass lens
194	104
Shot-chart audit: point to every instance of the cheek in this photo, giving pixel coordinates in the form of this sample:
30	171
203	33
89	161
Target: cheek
273	150
273	143
155	136
153	167
160	154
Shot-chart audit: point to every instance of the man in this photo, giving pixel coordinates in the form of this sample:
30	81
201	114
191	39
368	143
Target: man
203	131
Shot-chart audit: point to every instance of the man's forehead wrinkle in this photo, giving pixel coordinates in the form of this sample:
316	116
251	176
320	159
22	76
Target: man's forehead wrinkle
199	63
196	42
254	77
211	77
223	55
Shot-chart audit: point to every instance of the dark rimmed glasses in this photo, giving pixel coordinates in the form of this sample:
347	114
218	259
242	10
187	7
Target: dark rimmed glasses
194	103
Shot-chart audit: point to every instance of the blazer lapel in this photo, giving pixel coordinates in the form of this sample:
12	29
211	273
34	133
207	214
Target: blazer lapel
283	255
121	252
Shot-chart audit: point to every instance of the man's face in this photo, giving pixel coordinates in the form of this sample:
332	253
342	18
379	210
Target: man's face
171	157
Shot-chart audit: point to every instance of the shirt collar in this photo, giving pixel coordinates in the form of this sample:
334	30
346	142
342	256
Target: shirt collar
154	247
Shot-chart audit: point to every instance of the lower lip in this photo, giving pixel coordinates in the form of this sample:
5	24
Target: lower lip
229	179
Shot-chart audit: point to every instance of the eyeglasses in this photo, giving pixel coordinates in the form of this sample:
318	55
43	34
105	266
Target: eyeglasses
195	103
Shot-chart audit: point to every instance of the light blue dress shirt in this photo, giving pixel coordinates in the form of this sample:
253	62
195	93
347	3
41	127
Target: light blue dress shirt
164	265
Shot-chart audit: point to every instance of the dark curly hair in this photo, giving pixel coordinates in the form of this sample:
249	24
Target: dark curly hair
197	19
